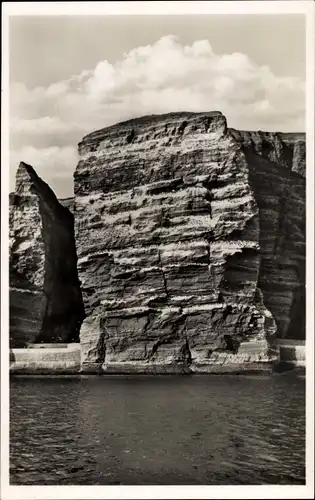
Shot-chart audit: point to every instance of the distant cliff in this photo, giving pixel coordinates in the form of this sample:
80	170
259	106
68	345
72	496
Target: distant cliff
45	296
190	239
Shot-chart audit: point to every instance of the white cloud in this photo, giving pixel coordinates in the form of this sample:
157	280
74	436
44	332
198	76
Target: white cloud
162	77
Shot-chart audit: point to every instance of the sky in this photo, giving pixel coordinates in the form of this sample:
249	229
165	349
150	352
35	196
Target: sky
72	75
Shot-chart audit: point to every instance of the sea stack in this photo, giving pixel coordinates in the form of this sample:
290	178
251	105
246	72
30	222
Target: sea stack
191	245
45	297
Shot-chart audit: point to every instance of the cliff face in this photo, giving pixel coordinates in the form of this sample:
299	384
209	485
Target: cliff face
45	297
191	248
185	249
277	174
285	150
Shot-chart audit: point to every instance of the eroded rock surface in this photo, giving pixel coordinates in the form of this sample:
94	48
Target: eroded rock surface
277	174
182	227
284	149
45	297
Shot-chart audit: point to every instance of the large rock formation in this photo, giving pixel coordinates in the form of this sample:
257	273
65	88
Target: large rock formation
190	242
45	296
277	175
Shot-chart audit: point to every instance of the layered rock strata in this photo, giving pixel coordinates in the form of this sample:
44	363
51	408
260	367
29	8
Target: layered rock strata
277	175
286	150
179	237
45	297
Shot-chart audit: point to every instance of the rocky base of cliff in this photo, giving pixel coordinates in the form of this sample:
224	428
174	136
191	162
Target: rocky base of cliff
209	340
253	357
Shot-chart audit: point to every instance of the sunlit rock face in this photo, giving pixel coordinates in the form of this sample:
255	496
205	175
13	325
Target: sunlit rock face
176	246
45	297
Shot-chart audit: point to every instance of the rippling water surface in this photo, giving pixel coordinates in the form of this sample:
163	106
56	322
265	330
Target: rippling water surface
157	430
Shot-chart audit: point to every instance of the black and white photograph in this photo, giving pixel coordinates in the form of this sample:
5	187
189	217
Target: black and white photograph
157	246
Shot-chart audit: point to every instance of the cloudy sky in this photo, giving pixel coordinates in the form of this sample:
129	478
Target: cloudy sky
72	75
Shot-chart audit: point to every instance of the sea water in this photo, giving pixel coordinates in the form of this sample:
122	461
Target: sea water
157	430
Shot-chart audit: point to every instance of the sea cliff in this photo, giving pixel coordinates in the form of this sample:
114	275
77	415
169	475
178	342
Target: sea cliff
45	297
190	240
